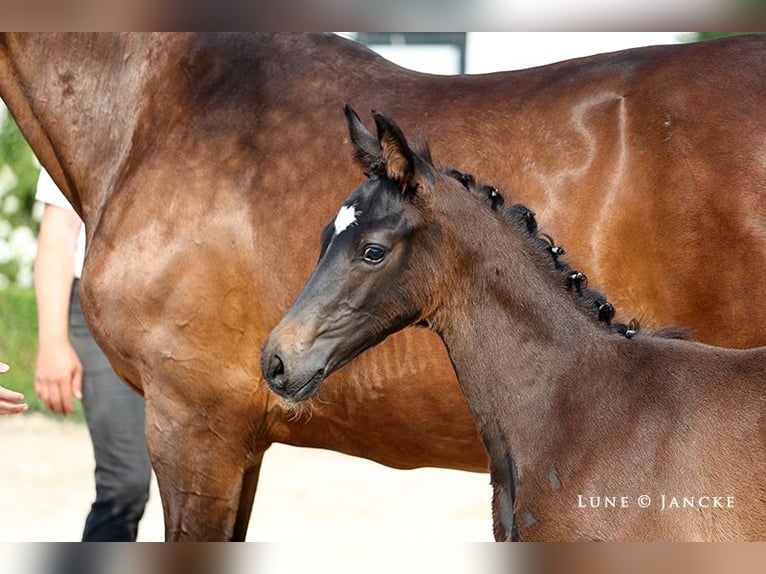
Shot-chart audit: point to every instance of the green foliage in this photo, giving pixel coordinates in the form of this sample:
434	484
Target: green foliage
19	218
18	345
15	153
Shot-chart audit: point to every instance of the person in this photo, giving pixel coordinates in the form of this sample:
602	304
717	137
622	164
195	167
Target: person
70	365
10	401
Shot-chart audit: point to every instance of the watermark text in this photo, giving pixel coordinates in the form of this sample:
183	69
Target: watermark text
661	502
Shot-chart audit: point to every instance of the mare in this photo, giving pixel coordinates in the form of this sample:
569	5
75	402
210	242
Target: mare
571	409
204	165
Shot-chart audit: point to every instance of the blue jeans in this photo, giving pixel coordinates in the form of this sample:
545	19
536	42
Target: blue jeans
115	417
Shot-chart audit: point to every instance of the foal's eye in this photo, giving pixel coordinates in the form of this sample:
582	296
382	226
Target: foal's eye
373	253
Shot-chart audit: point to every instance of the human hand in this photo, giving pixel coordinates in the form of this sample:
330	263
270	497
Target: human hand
58	377
10	401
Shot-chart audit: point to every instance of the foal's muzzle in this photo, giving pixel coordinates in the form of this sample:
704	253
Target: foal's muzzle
297	384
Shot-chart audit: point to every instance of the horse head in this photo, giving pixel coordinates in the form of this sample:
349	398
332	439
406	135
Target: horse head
365	285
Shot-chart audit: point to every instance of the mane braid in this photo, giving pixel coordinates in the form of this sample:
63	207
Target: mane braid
523	219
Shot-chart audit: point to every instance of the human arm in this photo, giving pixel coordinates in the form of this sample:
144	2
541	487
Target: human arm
58	371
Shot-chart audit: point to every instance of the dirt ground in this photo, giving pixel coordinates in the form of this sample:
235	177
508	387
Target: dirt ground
46	488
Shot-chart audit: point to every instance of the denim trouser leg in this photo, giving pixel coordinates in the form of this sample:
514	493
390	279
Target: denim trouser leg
115	417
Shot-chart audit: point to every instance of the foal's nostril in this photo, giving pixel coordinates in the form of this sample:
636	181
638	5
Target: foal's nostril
275	371
278	367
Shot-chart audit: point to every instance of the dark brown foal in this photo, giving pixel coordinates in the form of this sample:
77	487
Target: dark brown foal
594	431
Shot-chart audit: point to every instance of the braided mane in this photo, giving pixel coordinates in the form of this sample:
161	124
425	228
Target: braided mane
575	281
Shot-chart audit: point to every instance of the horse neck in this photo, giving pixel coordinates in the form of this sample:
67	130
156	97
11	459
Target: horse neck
76	98
517	339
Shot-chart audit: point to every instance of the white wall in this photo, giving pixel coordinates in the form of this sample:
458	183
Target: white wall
493	51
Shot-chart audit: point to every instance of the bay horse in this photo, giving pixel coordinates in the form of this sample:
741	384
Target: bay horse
585	423
201	166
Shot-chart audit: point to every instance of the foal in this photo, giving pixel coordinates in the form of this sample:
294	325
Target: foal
592	433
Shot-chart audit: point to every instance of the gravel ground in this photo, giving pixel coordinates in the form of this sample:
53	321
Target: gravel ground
46	488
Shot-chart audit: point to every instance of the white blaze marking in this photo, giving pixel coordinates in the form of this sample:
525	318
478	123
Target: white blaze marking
345	218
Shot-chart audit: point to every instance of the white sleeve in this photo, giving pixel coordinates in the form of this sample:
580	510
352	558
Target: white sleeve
48	191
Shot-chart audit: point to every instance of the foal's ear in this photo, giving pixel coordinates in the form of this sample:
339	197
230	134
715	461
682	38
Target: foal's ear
367	152
401	162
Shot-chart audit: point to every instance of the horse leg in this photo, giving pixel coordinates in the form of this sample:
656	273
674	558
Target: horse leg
207	502
247	496
207	470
